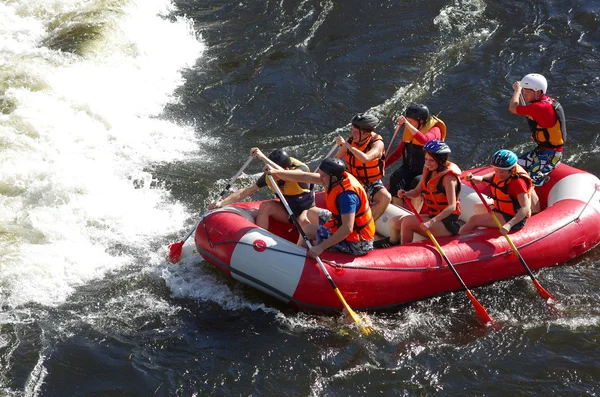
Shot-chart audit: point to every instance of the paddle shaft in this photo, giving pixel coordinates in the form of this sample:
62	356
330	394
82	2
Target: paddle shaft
365	329
300	230
493	214
437	245
335	146
175	248
393	138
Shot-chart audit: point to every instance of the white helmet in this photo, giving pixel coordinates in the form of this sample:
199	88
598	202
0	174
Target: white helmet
535	82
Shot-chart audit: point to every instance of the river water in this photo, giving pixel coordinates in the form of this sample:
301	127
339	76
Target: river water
120	119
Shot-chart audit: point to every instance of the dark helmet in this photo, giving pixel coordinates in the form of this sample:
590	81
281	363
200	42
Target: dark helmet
281	158
418	112
504	159
333	166
365	121
436	146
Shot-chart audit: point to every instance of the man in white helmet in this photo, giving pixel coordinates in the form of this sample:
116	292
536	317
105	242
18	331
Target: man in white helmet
546	120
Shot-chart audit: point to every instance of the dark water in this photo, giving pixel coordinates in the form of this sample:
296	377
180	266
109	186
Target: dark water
291	74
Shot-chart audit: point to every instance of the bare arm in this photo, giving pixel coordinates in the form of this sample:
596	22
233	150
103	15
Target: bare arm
480	178
514	100
257	153
343	231
525	203
235	197
297	176
375	152
450	183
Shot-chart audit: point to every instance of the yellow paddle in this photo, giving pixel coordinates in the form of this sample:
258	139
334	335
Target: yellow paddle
482	314
364	328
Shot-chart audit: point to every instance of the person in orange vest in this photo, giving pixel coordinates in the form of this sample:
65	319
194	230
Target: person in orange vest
300	196
346	224
440	187
546	119
364	156
512	192
420	127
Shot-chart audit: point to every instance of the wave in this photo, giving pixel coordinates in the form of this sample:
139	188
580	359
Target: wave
82	88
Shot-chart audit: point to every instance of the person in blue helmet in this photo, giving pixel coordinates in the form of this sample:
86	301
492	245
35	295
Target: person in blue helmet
511	190
440	187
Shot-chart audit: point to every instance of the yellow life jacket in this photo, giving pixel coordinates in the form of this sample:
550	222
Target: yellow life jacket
297	194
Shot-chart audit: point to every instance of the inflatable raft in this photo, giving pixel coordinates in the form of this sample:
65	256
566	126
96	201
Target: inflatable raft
269	260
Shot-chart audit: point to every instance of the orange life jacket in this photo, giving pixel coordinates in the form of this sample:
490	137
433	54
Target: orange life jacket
434	192
554	136
366	172
504	203
364	225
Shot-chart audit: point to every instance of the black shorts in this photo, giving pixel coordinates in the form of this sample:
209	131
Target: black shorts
451	223
297	211
404	179
507	218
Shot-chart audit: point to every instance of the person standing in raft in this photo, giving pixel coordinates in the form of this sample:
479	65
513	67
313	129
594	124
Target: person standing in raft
546	119
440	186
346	224
511	190
300	196
363	153
419	128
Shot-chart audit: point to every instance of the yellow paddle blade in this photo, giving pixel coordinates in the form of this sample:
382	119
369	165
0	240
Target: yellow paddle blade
365	328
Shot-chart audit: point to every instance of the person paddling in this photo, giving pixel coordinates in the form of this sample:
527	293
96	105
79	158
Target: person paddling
546	119
419	128
364	156
512	192
300	196
346	224
440	186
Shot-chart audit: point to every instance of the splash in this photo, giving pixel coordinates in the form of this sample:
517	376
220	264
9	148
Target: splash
82	87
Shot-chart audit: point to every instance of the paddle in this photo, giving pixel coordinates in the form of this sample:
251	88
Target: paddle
539	288
484	317
393	138
335	146
365	329
175	248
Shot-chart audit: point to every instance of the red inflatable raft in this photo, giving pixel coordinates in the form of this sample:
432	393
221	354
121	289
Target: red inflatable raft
567	226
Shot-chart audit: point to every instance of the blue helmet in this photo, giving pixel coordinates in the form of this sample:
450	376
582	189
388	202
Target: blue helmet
436	146
504	159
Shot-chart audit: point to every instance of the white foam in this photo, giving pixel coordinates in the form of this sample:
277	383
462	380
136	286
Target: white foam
76	131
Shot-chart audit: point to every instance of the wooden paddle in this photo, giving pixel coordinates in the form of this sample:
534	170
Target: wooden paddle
335	146
364	328
539	288
393	138
175	248
482	314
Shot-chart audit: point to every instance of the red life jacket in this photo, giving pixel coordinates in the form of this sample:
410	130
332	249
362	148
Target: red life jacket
364	225
434	192
366	172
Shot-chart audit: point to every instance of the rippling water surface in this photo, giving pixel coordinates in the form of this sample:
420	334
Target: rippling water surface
119	120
